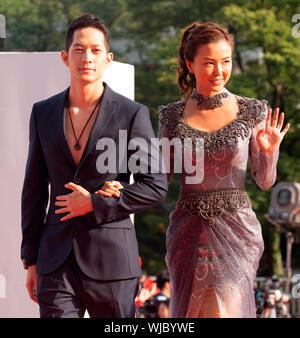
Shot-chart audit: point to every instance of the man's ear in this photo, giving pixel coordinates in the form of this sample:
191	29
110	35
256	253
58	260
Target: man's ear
64	56
109	59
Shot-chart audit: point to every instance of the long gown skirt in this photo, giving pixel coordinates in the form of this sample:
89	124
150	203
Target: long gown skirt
213	267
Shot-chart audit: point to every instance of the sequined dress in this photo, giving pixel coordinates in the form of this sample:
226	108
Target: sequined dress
214	240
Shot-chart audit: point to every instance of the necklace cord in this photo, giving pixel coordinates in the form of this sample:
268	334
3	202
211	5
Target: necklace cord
77	145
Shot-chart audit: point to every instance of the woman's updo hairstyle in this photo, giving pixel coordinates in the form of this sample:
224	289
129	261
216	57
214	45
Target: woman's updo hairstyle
193	36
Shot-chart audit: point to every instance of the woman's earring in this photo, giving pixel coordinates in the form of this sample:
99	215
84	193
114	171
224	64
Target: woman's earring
193	79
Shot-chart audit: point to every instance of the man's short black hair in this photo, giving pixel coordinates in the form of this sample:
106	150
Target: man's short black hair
162	278
87	20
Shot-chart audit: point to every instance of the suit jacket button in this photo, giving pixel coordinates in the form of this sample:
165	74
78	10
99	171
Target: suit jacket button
77	180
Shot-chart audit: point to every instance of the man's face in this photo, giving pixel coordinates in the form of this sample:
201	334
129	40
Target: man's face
87	57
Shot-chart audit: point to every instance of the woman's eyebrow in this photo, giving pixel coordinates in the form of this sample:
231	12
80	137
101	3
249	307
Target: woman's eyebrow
226	57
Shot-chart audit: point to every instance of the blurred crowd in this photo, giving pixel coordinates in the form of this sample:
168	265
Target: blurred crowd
153	297
271	301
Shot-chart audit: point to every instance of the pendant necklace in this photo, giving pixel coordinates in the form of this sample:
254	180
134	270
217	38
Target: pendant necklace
209	102
77	145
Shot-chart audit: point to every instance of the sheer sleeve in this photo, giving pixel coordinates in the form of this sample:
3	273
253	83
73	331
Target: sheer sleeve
263	166
165	139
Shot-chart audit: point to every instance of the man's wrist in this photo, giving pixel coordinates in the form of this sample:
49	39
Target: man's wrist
27	262
90	206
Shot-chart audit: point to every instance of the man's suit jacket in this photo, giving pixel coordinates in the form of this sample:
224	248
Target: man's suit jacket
104	240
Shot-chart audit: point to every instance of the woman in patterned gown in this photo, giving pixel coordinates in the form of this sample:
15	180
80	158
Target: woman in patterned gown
214	240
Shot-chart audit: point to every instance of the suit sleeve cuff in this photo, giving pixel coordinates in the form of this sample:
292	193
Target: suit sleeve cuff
102	209
28	262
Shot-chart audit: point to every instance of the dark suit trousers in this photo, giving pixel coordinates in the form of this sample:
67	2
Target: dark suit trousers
68	293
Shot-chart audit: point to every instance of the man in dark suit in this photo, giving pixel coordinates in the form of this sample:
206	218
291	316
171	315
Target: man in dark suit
82	253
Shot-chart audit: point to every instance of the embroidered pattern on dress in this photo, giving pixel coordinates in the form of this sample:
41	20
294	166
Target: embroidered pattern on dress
209	102
251	112
212	203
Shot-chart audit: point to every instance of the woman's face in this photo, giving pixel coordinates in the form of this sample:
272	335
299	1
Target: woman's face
212	67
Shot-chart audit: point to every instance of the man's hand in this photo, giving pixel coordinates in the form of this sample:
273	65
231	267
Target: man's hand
77	203
32	282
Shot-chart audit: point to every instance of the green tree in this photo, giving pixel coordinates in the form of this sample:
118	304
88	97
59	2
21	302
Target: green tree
40	25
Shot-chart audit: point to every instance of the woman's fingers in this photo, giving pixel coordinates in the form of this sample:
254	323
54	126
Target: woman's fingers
114	192
115	184
103	193
108	193
268	119
275	118
286	129
280	123
110	188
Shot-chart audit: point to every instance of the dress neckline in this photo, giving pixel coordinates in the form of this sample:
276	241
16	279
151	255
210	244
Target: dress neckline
205	132
251	112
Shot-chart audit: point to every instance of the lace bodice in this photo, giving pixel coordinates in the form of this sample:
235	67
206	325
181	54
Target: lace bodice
226	150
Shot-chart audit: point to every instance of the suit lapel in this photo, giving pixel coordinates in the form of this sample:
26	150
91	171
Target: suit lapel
60	118
105	112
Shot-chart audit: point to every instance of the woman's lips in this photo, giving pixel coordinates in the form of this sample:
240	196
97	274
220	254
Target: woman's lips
219	81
